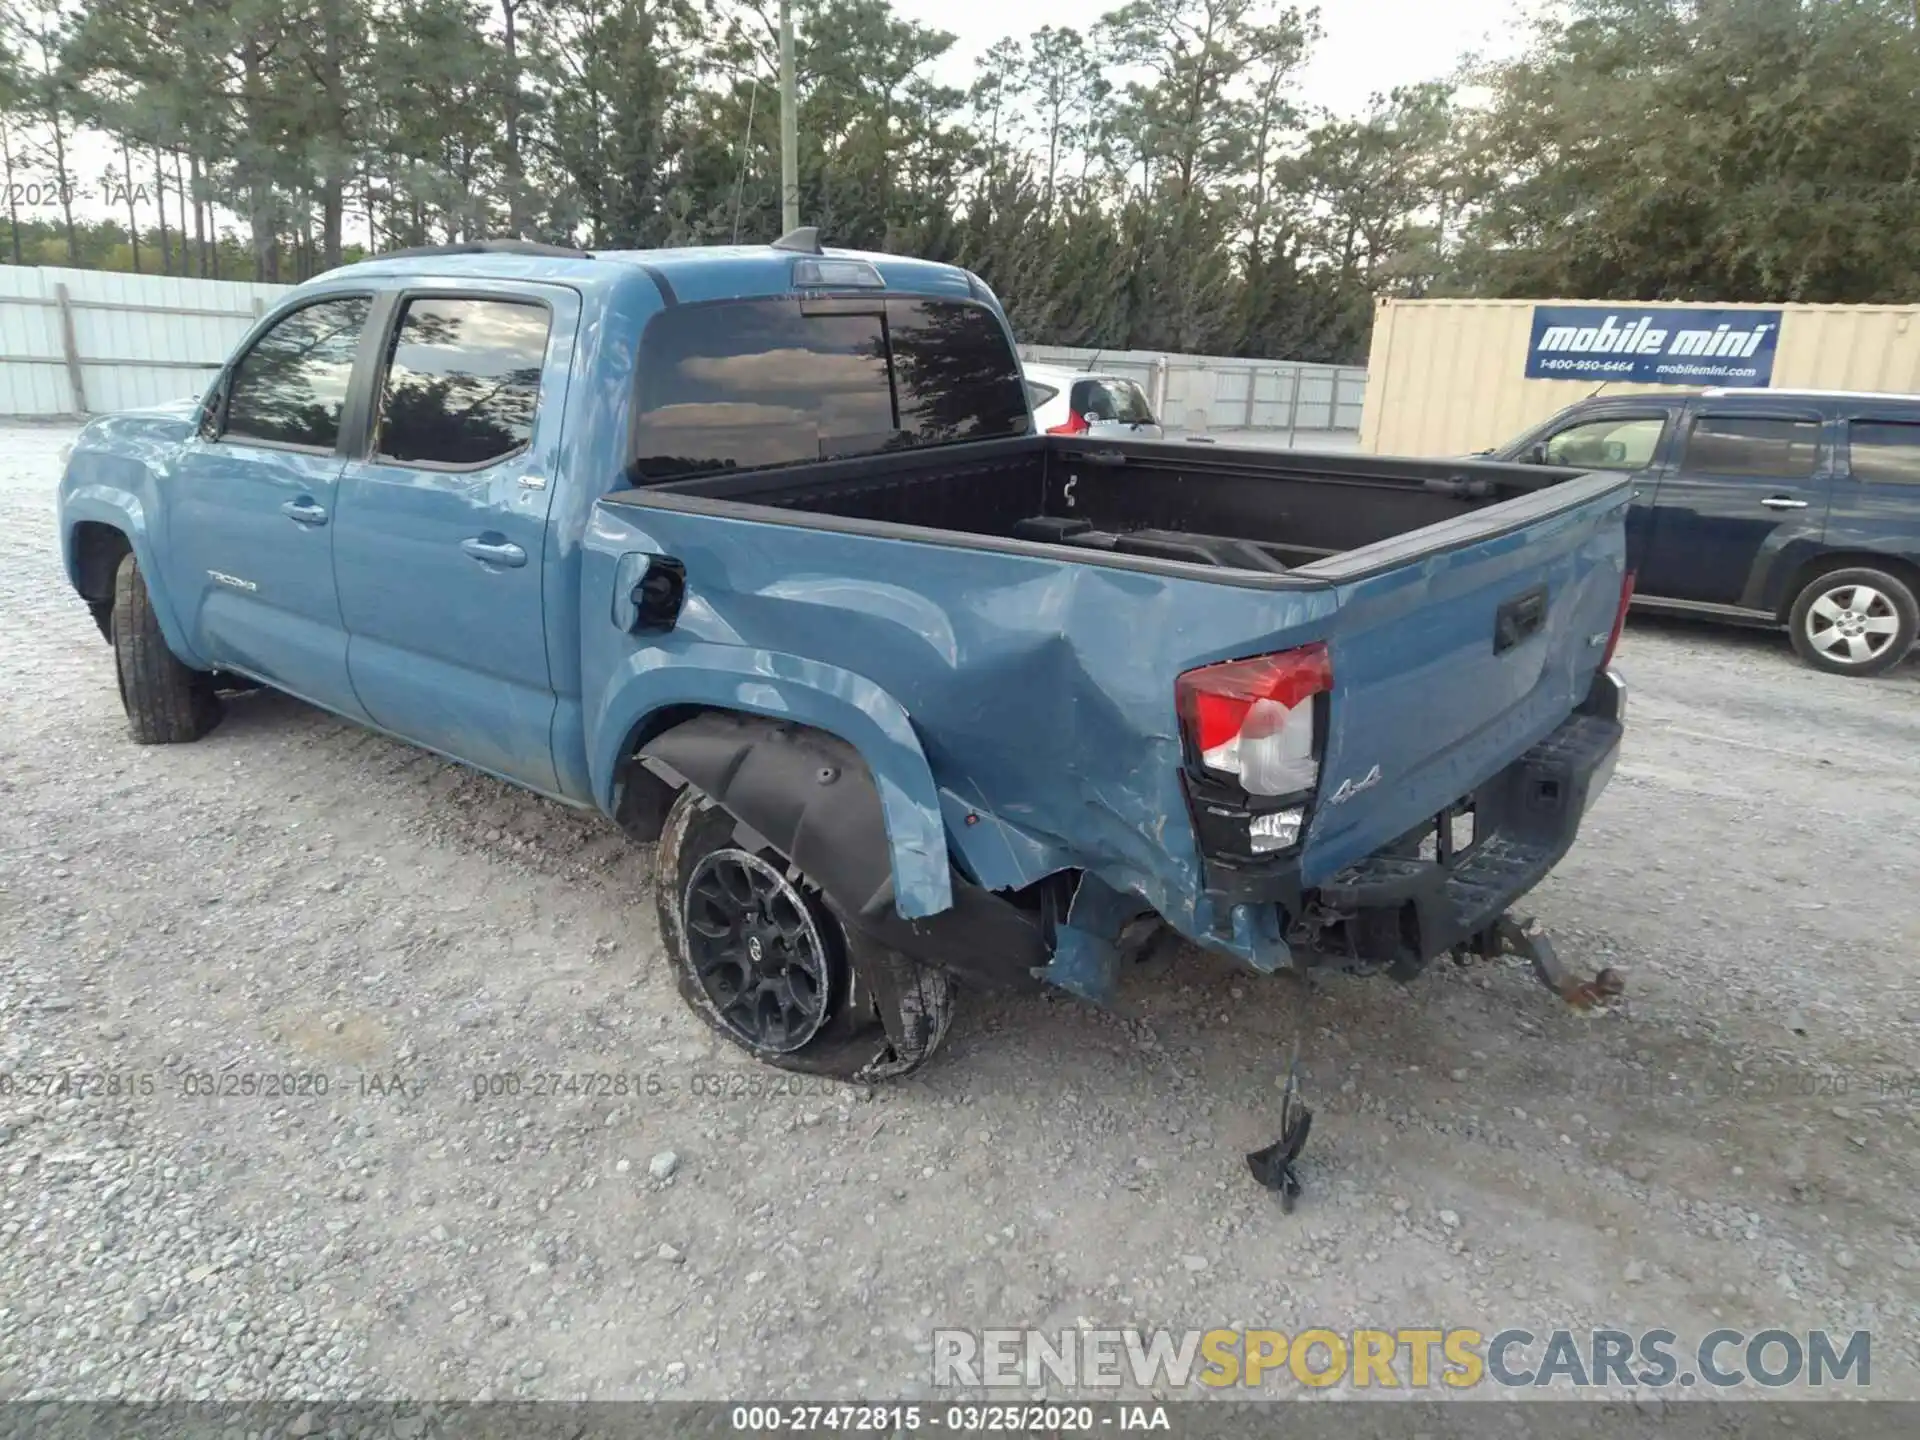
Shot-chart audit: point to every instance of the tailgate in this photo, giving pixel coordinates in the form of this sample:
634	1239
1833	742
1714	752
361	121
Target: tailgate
1456	648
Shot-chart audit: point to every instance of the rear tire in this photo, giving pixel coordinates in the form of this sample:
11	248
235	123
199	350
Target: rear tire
166	703
769	964
1858	621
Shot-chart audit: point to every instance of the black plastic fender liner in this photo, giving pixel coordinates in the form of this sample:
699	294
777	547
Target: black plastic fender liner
812	798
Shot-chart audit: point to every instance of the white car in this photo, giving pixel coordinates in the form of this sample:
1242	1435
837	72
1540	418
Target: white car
1090	402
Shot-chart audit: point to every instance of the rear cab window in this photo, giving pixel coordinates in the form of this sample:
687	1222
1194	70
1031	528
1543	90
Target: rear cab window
1766	447
1117	400
1884	451
749	384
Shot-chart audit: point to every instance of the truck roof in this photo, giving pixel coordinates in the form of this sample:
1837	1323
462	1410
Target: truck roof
685	274
1726	392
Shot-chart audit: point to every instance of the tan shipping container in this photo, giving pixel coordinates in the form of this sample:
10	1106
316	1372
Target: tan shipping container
1448	377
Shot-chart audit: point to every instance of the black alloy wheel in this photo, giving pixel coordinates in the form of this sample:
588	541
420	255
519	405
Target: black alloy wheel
758	951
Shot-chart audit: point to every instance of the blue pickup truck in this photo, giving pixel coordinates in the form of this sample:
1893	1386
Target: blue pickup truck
1765	507
757	551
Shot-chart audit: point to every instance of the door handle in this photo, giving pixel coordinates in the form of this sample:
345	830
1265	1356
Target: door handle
304	511
1781	502
494	552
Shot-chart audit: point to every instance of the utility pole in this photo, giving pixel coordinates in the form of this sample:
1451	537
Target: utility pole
789	160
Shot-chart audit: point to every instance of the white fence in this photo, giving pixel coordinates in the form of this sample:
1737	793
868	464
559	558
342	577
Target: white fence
80	342
1200	393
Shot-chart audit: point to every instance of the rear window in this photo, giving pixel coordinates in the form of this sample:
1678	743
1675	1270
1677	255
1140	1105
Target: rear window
1884	450
755	383
1758	445
1120	401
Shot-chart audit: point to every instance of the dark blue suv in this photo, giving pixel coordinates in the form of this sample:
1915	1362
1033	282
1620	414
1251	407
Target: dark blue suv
1776	507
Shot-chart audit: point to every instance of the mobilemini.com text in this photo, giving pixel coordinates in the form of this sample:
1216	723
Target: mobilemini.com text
1414	1358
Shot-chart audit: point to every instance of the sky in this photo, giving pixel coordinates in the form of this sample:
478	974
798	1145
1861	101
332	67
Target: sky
1368	46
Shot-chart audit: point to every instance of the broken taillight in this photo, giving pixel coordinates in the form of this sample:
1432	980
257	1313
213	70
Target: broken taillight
1255	722
1619	619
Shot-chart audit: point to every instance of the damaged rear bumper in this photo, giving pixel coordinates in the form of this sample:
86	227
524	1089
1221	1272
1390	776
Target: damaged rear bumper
1416	900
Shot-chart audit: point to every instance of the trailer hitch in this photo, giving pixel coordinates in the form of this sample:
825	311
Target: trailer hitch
1525	937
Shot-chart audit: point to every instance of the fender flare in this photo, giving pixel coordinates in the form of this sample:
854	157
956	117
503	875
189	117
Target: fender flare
120	510
653	683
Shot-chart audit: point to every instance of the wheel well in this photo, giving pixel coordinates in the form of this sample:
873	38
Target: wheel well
97	552
658	722
641	798
1828	561
97	549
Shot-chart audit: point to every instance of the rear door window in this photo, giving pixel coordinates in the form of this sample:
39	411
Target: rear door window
1764	446
1884	451
462	382
756	383
1119	401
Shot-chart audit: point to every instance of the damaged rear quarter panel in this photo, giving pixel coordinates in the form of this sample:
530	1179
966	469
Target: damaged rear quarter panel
1040	690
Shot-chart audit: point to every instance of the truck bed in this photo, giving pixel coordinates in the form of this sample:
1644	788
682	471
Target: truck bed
946	612
1259	511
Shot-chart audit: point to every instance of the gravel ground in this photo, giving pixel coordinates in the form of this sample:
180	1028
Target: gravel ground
1731	1144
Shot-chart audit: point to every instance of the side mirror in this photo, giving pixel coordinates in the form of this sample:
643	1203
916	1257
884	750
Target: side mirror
1537	453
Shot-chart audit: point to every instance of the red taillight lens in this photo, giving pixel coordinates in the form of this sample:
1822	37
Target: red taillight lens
1619	619
1254	720
1076	425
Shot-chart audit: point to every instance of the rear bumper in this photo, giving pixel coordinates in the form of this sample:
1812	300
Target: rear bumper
1410	903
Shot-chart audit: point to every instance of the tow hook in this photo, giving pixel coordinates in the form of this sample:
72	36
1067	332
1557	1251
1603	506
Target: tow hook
1273	1166
1525	937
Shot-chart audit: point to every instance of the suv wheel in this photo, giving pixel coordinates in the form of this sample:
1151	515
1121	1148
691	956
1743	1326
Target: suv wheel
764	959
1854	622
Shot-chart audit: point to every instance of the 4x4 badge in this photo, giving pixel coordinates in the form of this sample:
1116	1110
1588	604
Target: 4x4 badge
1350	788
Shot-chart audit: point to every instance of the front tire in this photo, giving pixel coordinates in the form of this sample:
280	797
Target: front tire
166	702
1854	622
767	962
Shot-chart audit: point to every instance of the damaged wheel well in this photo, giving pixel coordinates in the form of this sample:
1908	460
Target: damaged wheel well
809	794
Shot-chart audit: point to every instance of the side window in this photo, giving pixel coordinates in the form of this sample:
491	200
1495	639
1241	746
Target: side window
462	381
1757	445
1619	443
292	385
1884	451
1040	394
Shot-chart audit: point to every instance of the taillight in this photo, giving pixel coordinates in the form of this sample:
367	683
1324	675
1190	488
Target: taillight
1619	619
1076	425
1254	720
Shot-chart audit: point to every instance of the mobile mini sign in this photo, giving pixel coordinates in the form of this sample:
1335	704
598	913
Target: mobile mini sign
1665	346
